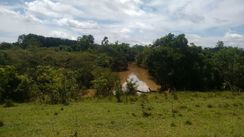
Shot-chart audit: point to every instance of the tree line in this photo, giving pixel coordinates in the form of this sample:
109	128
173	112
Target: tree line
54	70
175	64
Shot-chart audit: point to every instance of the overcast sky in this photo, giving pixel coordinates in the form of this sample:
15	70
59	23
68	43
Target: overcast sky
133	21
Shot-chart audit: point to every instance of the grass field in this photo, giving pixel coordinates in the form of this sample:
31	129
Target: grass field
186	114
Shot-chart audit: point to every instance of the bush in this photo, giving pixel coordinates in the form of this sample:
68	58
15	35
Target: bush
1	123
197	105
54	85
8	103
172	125
146	114
105	83
210	106
84	77
175	96
188	122
145	106
131	87
118	92
14	86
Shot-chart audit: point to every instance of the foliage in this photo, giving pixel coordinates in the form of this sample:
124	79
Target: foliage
105	82
1	123
232	60
84	77
131	87
118	92
172	63
56	70
103	61
54	85
8	103
14	86
3	58
105	41
32	40
85	42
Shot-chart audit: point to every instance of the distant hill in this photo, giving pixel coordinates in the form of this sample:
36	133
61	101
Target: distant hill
41	41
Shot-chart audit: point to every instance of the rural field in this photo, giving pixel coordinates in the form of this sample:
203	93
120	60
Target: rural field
121	68
203	114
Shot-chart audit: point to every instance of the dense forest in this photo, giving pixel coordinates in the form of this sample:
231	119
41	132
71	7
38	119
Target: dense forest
54	70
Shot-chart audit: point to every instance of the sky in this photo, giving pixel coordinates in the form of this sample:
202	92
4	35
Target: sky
204	22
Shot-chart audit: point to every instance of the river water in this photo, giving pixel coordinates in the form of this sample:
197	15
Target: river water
141	85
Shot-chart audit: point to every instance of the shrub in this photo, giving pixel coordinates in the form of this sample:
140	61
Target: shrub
180	115
75	134
55	85
188	122
118	92
14	86
1	123
197	105
133	114
8	103
173	125
133	99
175	97
105	82
146	114
131	87
84	77
145	107
210	106
175	111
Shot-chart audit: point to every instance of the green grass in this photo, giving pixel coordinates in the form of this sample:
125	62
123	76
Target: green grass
192	114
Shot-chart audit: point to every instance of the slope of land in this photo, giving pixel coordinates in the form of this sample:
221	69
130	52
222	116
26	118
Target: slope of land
193	115
141	73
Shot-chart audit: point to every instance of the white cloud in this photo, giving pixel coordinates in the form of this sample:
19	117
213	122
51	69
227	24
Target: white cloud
233	35
49	8
78	24
230	39
130	21
62	34
14	24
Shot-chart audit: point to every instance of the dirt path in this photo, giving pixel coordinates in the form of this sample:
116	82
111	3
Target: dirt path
141	73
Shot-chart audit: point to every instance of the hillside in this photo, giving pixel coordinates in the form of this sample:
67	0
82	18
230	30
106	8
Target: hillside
195	114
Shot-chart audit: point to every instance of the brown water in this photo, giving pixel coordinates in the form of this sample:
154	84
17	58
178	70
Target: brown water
140	85
140	73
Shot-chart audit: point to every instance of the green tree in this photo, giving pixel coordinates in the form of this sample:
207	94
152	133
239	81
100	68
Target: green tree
14	86
3	58
131	87
103	60
54	84
220	44
162	64
105	41
84	77
229	63
105	83
85	42
118	92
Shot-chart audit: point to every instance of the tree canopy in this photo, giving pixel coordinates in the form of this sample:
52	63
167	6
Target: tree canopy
57	70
